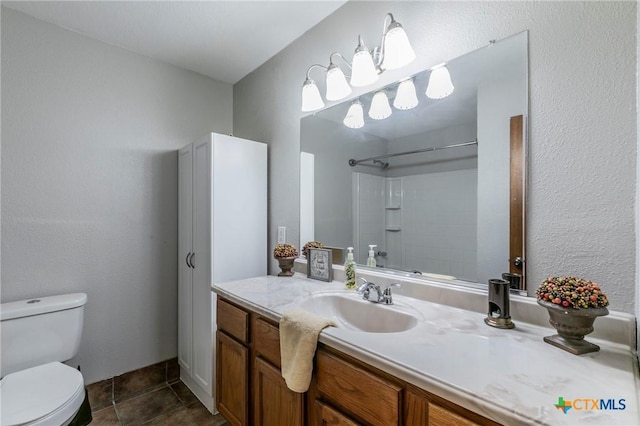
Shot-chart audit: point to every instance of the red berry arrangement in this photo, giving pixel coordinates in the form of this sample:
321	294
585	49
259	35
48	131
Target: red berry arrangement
573	292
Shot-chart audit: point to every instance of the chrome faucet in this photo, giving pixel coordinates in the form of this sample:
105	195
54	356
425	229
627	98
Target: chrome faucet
379	296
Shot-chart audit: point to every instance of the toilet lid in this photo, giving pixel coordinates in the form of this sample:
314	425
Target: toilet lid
31	394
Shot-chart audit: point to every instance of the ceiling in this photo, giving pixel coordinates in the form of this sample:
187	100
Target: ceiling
225	40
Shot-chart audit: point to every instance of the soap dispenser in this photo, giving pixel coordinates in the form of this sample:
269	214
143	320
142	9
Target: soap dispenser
350	270
371	261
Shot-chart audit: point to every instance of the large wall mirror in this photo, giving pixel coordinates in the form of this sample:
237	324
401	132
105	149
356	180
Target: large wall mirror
439	188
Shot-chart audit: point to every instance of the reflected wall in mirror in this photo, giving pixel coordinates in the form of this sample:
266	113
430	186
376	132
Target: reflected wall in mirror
455	213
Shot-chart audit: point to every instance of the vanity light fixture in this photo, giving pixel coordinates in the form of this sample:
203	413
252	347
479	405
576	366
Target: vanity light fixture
406	96
439	85
337	86
394	52
380	108
364	72
311	99
396	49
355	116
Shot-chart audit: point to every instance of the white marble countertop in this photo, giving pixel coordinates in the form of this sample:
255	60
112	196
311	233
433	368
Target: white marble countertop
510	376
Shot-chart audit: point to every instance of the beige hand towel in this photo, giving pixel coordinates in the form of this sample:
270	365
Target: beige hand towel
299	332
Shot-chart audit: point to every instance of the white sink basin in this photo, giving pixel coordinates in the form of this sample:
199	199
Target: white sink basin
351	312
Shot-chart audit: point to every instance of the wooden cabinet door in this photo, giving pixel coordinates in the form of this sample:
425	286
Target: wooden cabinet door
330	417
232	379
274	403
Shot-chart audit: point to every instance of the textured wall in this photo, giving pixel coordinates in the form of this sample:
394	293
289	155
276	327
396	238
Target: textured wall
89	183
582	124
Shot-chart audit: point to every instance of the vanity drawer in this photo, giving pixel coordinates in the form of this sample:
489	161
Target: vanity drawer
266	338
369	397
233	320
440	416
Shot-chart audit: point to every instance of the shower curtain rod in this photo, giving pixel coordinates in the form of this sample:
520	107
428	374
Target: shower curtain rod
353	162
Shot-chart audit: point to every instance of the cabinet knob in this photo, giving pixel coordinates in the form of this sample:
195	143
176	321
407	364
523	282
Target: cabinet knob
191	261
186	259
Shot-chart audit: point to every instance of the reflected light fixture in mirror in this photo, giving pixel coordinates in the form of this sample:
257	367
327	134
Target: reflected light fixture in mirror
380	108
406	96
355	116
440	85
394	52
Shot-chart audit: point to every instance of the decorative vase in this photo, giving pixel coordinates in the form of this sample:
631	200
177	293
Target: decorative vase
286	264
572	325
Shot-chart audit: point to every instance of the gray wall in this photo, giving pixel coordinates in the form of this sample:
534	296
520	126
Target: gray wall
89	183
582	166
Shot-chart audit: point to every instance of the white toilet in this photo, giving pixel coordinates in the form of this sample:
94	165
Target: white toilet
37	334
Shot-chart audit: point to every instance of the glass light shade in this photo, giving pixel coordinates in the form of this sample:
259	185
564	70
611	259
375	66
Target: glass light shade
440	85
311	99
397	49
337	86
406	96
380	108
363	72
355	116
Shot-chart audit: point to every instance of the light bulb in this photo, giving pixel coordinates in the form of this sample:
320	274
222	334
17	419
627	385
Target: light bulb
311	99
440	85
380	108
355	116
406	96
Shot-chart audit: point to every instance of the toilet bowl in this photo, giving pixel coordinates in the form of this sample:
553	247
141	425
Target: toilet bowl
49	394
36	388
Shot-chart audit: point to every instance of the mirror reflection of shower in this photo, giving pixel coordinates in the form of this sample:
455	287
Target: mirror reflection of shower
381	163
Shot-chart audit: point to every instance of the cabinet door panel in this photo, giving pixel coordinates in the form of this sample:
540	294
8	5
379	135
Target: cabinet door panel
185	244
330	417
274	403
202	296
232	383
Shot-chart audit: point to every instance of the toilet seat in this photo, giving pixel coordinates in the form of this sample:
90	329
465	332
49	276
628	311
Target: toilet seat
48	394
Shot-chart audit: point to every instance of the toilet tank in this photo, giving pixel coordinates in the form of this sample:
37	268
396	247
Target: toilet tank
40	330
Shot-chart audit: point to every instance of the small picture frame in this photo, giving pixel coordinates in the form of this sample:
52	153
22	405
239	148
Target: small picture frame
319	264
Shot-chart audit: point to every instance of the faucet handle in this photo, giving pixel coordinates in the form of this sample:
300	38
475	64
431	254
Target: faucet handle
388	297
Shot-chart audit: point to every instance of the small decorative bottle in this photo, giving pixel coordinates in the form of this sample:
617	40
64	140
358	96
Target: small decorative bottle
350	270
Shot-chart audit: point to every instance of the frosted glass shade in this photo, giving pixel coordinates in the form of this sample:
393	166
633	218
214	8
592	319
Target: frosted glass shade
397	49
380	108
440	85
406	96
311	99
337	86
355	116
363	71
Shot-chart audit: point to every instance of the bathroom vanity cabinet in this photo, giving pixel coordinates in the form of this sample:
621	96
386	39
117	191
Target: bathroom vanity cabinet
344	390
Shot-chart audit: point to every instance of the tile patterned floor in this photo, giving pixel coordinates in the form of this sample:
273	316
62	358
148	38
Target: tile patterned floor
168	405
152	395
